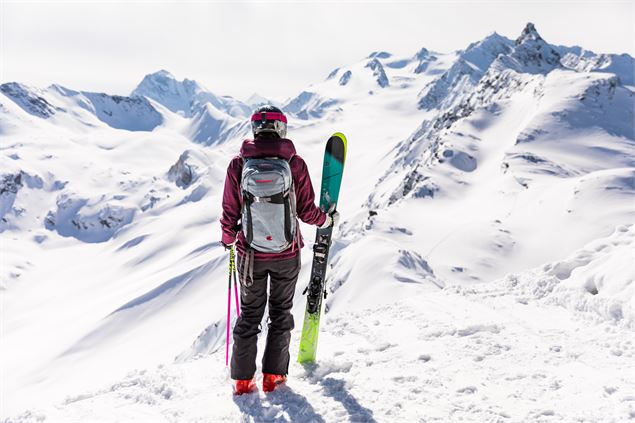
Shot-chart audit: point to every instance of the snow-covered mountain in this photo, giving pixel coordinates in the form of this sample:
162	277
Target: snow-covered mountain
483	270
66	107
256	100
211	119
186	96
467	69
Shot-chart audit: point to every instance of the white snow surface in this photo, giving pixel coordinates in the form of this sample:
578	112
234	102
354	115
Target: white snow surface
483	269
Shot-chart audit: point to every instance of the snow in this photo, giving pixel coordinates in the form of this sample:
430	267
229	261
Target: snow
483	269
596	281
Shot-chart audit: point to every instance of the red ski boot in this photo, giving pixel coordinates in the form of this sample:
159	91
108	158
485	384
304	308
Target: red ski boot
244	386
270	382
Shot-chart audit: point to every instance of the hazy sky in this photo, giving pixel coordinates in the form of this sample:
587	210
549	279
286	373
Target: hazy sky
273	48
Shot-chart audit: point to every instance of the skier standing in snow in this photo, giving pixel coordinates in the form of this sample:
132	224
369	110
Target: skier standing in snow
267	186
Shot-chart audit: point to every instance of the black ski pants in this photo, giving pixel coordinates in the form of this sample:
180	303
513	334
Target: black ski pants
283	275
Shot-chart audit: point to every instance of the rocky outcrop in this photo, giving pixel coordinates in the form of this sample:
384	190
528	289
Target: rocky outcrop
88	220
470	66
183	172
346	77
378	72
531	54
423	59
29	99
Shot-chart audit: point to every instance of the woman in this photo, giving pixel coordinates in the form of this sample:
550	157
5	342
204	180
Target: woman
264	252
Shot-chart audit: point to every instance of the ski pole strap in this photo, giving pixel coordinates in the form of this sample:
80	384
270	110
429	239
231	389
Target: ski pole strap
247	274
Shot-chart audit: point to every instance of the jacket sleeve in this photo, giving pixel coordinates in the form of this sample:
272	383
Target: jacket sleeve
307	211
232	201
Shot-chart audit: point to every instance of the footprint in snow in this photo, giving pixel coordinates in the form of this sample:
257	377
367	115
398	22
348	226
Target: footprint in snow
424	357
384	346
467	390
472	329
401	379
610	390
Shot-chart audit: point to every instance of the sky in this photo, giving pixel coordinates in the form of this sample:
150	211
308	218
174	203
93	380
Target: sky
273	48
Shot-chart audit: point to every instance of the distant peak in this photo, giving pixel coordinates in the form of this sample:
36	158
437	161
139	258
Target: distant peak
379	55
424	57
256	100
529	34
492	42
161	73
373	63
494	36
532	54
424	52
63	90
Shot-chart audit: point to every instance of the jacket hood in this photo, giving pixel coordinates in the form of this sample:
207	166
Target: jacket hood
268	147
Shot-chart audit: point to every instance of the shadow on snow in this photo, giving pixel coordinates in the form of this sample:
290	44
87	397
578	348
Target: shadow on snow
282	405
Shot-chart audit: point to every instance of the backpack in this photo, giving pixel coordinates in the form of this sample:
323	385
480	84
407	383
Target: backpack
269	205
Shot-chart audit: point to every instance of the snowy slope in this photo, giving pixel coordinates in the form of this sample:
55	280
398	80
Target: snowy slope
483	269
503	351
512	138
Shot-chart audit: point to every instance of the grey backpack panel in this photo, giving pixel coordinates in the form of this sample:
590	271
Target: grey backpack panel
269	216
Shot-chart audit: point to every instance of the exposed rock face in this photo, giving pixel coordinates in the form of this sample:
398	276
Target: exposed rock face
380	55
424	58
346	77
470	66
89	220
182	173
622	65
28	99
378	72
532	54
10	183
130	113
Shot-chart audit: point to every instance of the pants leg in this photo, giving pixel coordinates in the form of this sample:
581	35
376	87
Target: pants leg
253	302
284	275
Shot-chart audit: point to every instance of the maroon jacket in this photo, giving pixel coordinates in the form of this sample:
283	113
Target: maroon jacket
306	209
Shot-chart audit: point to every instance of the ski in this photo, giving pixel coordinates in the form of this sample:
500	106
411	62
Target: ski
332	170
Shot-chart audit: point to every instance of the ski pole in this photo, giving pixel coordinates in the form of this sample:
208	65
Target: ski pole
229	304
232	261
